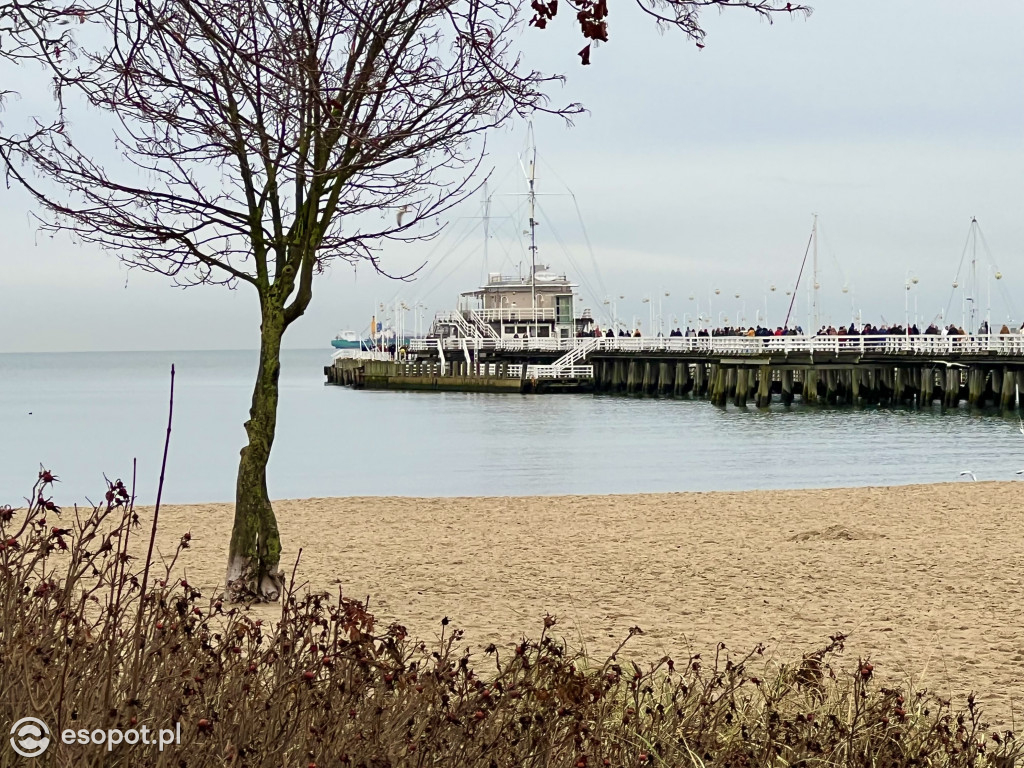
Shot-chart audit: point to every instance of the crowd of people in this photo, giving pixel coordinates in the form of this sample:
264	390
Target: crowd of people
867	329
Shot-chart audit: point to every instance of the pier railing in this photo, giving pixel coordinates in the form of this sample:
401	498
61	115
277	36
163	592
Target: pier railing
1011	345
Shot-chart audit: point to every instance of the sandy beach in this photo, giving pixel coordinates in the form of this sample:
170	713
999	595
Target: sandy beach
925	580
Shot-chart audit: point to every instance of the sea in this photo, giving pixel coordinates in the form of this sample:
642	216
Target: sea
91	416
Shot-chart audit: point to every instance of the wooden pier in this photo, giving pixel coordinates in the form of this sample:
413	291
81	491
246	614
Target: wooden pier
428	375
984	371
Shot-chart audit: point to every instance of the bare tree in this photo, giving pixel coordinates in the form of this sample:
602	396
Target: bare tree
258	140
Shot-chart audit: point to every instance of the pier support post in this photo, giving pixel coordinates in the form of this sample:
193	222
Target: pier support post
742	387
787	386
666	378
810	388
631	377
764	386
952	394
682	380
719	386
926	387
700	379
974	385
647	384
831	393
992	384
1008	390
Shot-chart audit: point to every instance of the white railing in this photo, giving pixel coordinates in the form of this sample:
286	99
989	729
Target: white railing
516	314
578	353
559	372
1012	344
482	325
361	354
457	319
440	355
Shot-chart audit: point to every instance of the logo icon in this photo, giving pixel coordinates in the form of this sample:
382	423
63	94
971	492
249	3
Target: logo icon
30	737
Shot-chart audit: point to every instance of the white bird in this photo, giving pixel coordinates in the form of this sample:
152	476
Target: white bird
401	212
968	472
1019	472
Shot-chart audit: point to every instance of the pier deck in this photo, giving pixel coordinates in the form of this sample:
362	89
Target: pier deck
983	370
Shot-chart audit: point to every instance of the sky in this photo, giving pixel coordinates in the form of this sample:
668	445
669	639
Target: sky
693	171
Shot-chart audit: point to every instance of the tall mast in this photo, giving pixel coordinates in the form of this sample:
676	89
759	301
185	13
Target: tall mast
971	326
815	285
487	222
532	158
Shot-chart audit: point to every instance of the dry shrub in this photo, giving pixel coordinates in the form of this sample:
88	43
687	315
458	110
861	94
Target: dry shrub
91	639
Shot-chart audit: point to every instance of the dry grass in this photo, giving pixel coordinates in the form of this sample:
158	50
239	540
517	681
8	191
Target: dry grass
92	639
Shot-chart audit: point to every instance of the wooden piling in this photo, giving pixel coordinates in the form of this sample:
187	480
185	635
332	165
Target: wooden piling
831	393
974	385
952	394
809	393
647	385
666	378
787	386
1008	390
700	379
926	386
742	387
764	386
632	375
683	384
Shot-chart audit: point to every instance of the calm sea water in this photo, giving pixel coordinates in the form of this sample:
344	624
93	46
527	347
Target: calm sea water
84	414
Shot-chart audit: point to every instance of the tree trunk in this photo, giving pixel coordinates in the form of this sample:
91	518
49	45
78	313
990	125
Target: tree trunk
255	550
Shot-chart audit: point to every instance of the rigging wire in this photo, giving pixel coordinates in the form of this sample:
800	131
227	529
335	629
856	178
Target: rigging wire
796	288
572	262
956	277
1010	305
583	228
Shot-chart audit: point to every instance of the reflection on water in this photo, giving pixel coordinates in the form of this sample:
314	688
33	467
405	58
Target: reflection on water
92	413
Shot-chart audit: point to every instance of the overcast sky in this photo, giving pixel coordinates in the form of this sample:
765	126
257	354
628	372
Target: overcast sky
693	170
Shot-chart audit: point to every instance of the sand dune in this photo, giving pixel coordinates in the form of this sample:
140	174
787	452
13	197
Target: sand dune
926	580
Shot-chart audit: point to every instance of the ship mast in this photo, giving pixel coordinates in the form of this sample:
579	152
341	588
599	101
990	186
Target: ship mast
531	177
487	222
972	320
815	285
